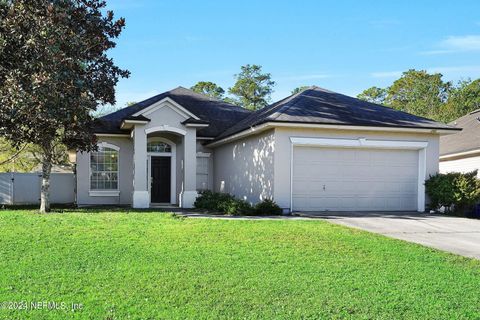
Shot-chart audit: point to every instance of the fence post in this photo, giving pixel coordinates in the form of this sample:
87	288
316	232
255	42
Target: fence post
12	188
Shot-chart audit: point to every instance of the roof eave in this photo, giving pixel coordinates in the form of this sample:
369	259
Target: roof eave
460	154
262	126
128	123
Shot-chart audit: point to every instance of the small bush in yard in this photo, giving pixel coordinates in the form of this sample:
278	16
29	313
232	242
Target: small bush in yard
214	201
228	204
222	202
236	207
268	207
456	190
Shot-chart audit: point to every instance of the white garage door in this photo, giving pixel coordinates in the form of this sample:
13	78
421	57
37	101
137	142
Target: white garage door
340	179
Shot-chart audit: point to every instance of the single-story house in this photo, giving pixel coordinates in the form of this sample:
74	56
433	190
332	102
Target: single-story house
460	152
313	151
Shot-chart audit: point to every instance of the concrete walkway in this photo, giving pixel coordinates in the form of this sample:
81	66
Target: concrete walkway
226	217
457	235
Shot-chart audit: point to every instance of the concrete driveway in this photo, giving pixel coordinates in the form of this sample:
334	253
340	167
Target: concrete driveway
457	235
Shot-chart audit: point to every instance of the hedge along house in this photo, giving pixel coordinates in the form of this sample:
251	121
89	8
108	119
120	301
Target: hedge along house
313	151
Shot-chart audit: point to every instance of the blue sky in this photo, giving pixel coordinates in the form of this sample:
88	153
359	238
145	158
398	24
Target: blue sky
345	46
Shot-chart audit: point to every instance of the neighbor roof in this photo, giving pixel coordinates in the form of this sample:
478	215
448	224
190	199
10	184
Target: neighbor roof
319	106
466	140
218	114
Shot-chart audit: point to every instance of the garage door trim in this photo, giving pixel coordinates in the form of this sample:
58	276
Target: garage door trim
367	144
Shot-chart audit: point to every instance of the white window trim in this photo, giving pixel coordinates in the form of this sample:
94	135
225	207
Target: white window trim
173	167
108	145
106	192
420	146
167	102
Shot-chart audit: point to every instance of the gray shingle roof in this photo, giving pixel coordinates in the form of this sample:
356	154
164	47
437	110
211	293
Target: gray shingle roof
314	105
319	106
466	140
219	114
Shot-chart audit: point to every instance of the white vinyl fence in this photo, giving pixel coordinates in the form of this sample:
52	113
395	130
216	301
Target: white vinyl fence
24	188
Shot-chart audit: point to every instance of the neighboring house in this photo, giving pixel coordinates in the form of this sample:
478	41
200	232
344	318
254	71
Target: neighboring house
460	152
315	150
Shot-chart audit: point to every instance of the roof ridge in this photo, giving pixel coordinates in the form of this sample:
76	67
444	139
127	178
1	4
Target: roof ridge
207	97
259	114
289	99
381	106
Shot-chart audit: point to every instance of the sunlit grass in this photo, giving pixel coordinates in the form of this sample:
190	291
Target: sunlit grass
150	265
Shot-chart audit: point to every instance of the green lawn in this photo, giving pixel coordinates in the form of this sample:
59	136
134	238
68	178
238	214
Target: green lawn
147	265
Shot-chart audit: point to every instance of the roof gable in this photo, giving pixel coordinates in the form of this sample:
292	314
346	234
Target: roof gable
219	114
166	102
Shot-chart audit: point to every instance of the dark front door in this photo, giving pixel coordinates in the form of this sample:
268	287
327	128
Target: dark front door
160	192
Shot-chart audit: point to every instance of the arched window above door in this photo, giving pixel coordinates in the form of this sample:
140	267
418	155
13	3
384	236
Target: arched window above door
158	146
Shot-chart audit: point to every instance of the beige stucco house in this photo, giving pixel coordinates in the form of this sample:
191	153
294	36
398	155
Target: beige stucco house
313	151
460	152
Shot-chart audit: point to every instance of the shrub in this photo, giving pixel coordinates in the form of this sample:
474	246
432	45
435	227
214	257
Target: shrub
236	207
214	201
223	203
228	204
268	207
458	190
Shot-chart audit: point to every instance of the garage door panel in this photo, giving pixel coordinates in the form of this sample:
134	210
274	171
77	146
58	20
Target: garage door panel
300	187
343	179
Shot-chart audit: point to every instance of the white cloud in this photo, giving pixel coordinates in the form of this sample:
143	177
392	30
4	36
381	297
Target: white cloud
455	44
464	43
458	69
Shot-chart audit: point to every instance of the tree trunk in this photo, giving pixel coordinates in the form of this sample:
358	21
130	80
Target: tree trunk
46	170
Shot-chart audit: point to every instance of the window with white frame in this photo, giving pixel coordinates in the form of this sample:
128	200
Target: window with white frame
158	146
104	169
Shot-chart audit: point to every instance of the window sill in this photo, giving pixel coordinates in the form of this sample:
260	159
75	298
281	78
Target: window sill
106	193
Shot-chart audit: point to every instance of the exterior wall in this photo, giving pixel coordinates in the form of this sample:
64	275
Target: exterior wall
125	179
163	119
245	168
24	188
466	164
165	116
283	152
168	116
167	120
